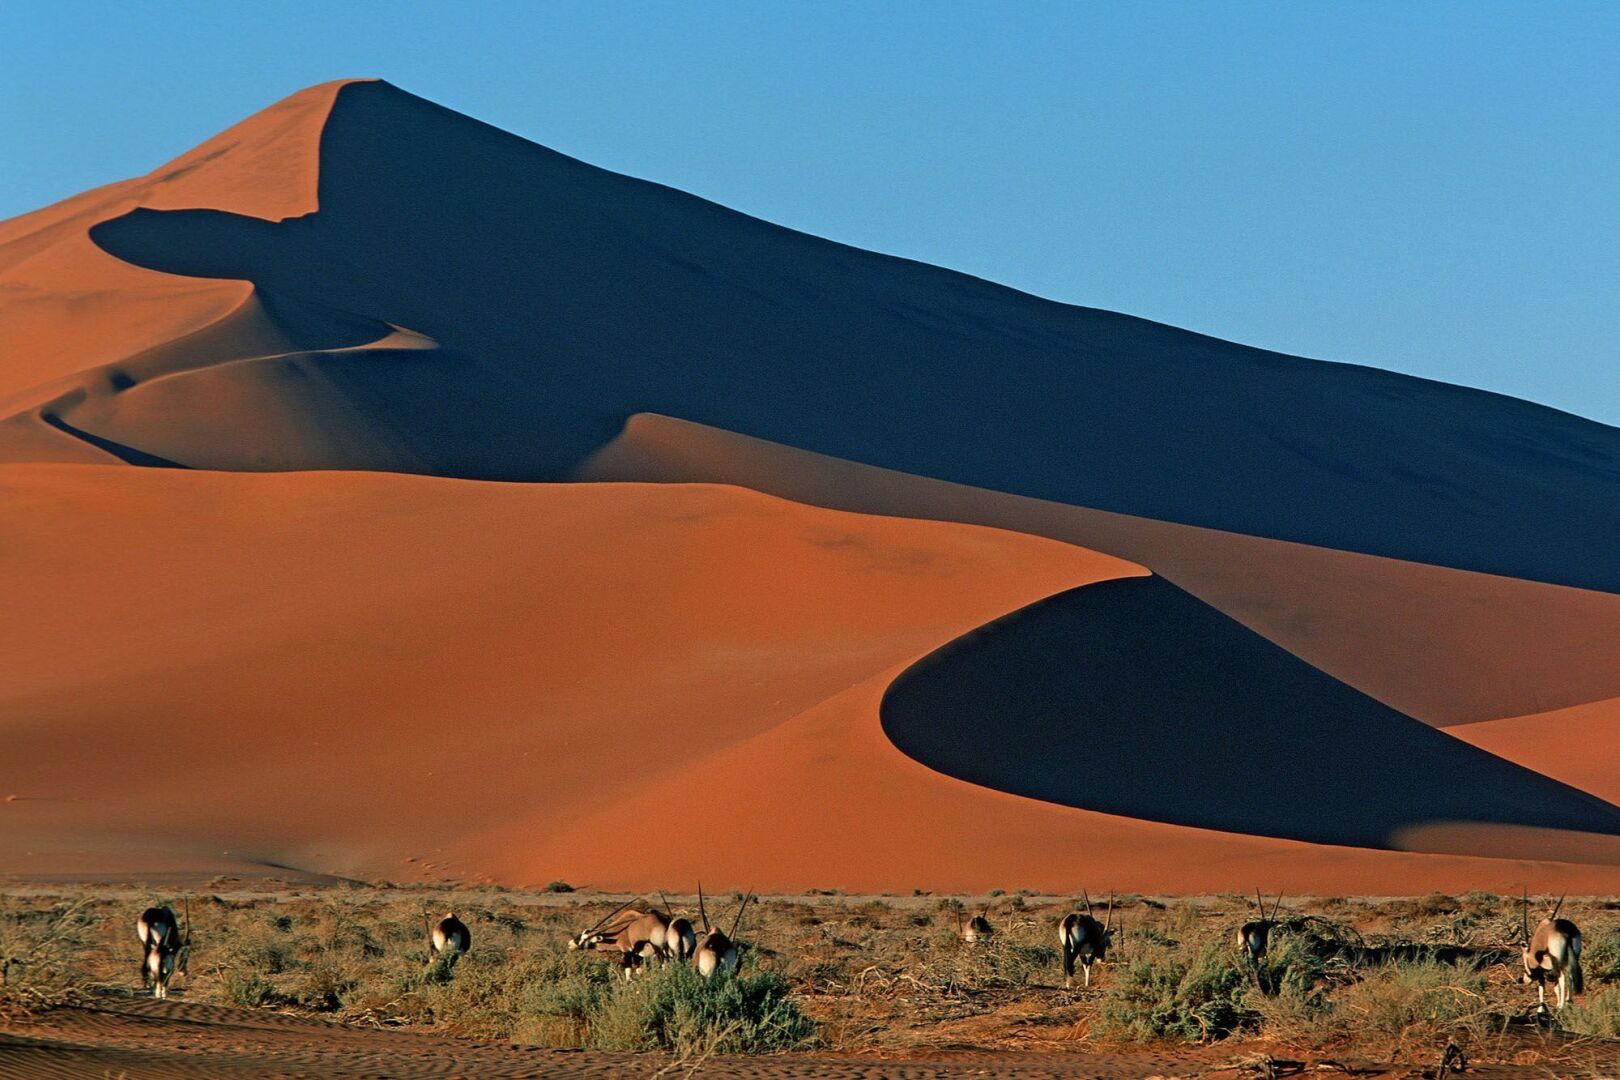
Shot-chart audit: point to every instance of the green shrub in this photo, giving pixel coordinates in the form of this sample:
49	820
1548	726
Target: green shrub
1596	1013
672	1007
1600	956
323	988
1161	995
1393	1000
248	989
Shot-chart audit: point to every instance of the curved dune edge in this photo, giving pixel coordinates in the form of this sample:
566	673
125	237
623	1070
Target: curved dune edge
1579	745
1132	697
71	306
1445	646
596	657
636	297
900	825
366	674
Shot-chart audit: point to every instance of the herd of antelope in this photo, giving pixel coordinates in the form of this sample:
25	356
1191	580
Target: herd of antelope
1551	953
637	937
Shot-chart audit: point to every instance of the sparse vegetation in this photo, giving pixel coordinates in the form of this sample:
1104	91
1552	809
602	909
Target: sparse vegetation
1161	993
843	973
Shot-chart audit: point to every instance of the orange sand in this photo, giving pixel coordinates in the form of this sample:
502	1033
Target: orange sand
380	675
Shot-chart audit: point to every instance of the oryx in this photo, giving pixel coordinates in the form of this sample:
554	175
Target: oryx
1552	954
164	949
1085	939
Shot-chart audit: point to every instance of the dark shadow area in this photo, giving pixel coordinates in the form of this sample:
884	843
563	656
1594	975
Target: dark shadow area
580	290
1132	697
129	454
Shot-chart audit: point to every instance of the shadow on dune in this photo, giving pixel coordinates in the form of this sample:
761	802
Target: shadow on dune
130	455
569	298
1132	697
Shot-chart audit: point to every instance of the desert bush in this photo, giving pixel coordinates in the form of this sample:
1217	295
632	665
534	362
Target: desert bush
39	950
324	987
671	1007
1394	1001
1600	956
247	989
1596	1013
1161	994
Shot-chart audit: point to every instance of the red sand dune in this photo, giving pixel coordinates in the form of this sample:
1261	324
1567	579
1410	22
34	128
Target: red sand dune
1579	745
1446	646
378	674
341	672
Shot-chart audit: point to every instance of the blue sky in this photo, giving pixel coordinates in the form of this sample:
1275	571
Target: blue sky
1428	187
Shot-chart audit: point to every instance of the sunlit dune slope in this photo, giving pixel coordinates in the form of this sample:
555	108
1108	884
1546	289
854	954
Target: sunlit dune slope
1446	646
1579	745
752	797
567	298
339	672
67	306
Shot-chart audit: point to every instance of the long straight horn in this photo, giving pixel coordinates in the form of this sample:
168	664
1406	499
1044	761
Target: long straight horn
609	916
665	900
735	923
1108	919
1260	902
1524	916
1276	907
187	904
1557	908
703	911
1088	900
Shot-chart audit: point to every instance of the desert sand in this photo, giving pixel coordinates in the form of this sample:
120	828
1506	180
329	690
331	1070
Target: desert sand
391	497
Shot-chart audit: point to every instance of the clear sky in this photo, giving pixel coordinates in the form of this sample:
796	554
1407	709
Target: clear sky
1428	187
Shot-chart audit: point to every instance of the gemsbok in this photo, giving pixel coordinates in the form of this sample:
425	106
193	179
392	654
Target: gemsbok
634	934
680	939
1254	936
164	949
448	939
717	952
1085	939
1552	954
977	928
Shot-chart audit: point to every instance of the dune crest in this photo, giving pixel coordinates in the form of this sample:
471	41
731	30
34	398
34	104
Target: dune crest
357	279
589	297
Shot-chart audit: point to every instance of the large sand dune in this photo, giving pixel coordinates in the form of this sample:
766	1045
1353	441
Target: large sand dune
377	674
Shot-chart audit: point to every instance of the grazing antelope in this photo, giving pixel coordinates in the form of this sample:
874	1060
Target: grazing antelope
163	948
717	952
680	940
631	933
1085	939
1254	937
1552	954
448	939
977	928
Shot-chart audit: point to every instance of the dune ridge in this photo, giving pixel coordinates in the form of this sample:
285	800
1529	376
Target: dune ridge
1446	646
314	290
643	299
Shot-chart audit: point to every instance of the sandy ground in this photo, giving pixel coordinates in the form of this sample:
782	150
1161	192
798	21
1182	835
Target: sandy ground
139	1039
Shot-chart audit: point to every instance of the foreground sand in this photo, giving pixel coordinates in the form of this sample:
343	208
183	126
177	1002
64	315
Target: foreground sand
139	1040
